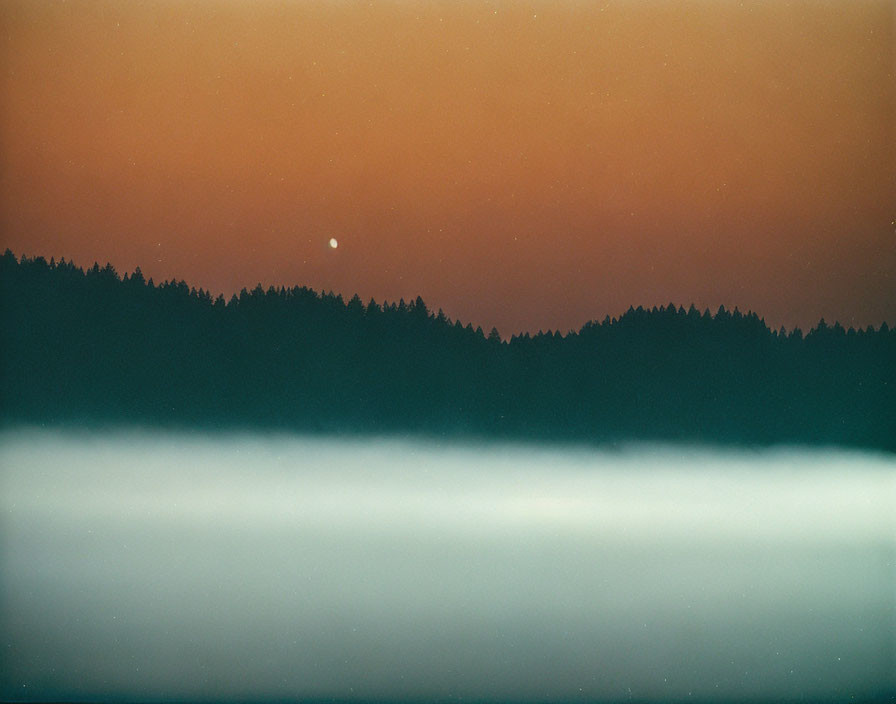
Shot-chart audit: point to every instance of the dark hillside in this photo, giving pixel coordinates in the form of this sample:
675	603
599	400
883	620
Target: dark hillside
92	347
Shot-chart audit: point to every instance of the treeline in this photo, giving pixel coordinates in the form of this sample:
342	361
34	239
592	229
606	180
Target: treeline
93	347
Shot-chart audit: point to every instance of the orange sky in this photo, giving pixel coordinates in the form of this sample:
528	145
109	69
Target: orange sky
522	164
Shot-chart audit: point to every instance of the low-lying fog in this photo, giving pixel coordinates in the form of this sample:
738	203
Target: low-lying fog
141	566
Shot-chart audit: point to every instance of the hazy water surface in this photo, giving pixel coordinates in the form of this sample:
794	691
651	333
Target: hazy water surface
158	567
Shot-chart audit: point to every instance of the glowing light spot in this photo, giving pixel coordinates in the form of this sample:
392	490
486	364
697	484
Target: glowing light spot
333	243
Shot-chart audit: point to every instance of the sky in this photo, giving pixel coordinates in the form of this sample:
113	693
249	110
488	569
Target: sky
527	165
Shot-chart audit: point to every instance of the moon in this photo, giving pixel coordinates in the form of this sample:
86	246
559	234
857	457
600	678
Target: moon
333	243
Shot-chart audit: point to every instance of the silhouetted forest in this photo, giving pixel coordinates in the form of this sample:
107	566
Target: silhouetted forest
95	348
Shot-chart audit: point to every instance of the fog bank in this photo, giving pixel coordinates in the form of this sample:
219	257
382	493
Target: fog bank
159	567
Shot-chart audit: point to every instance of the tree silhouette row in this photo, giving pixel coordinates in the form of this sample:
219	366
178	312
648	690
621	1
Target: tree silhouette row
90	347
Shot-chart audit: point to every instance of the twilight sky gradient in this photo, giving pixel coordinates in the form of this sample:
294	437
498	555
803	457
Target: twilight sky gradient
521	164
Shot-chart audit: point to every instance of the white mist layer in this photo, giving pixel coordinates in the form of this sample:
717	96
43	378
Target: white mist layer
155	567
